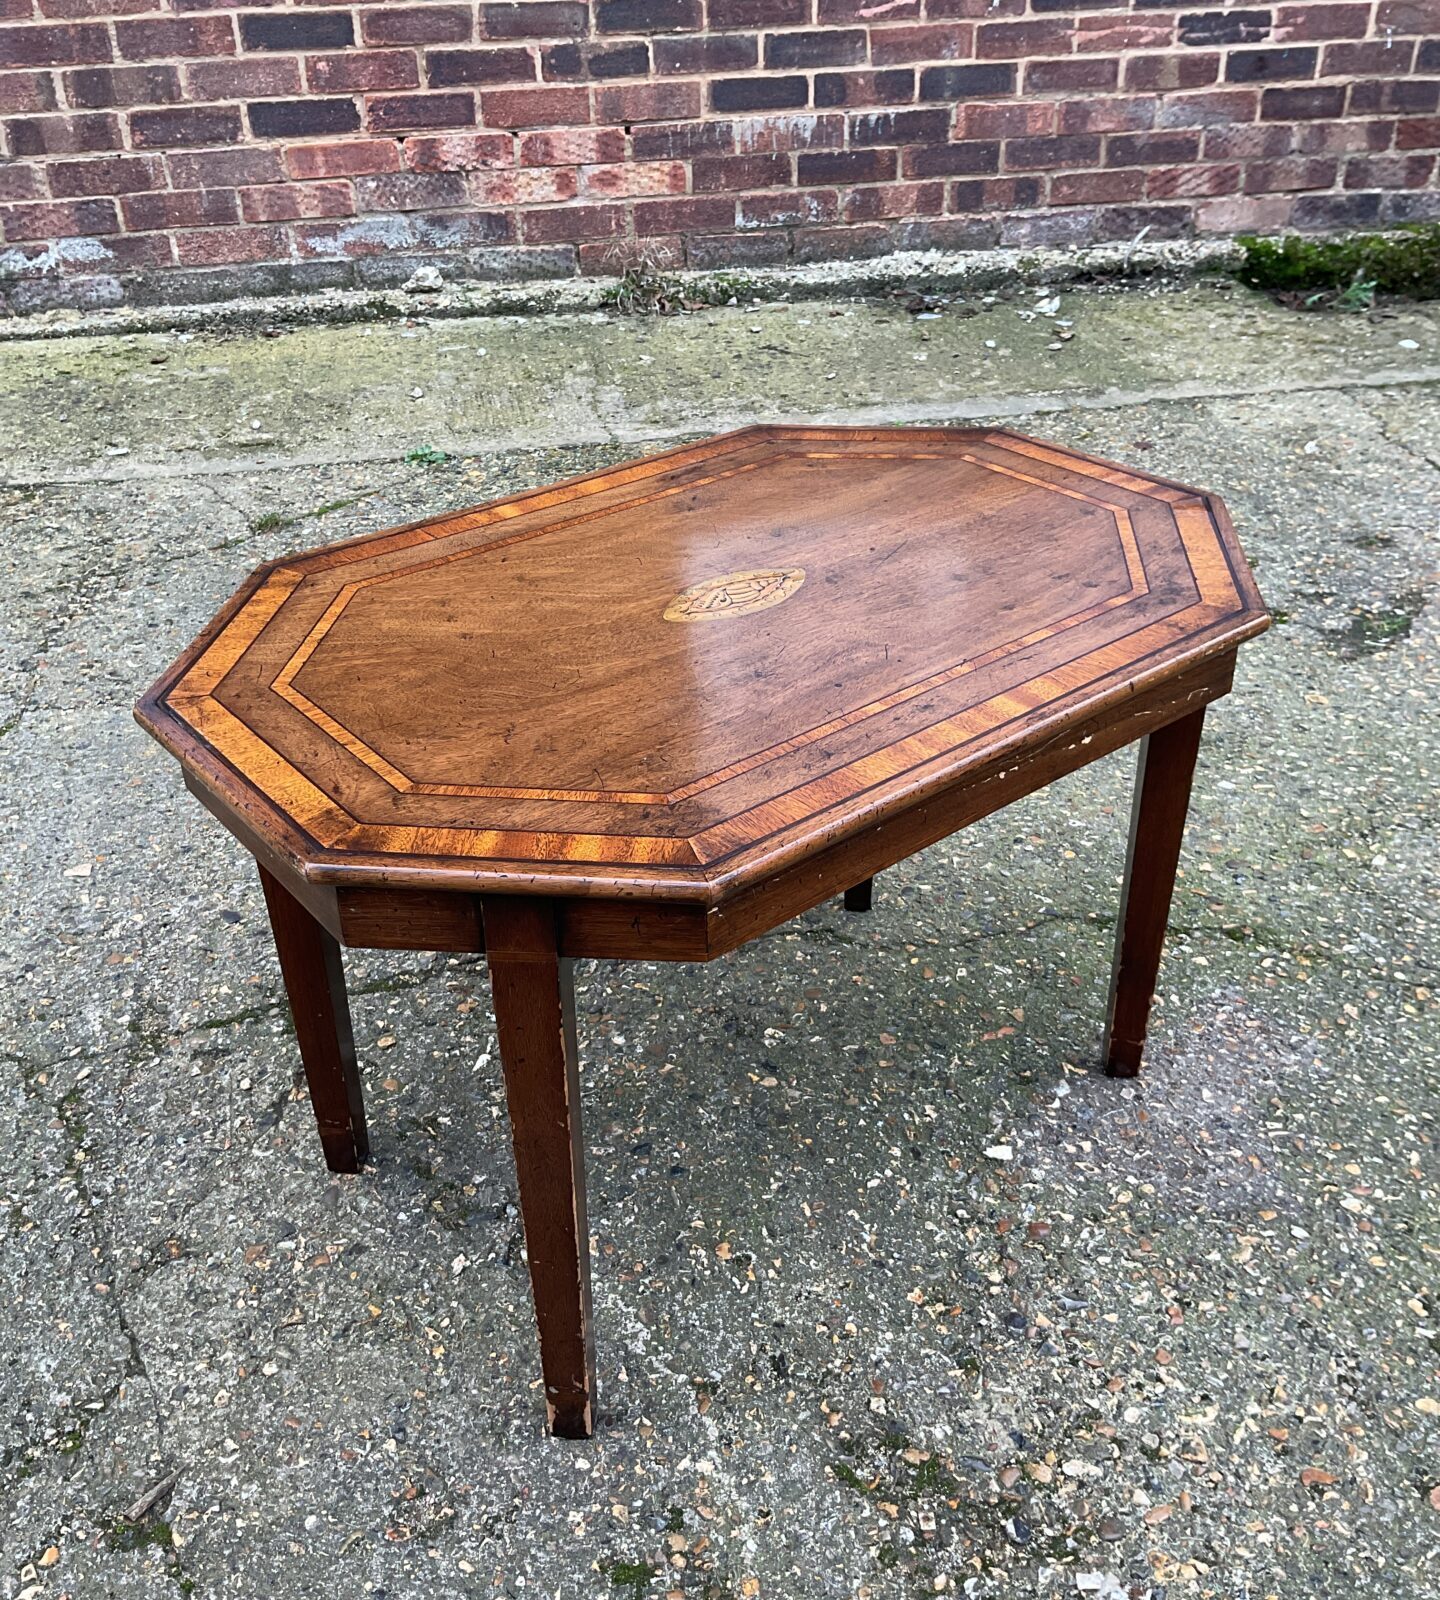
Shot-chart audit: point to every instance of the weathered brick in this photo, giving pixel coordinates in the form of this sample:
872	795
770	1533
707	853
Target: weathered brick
19	181
1376	57
1073	77
1412	171
446	68
534	108
1009	40
1336	211
595	59
574	146
361	237
853	243
1290	173
815	47
606	257
1224	27
26	91
1216	109
625	180
1246	143
1193	182
944	233
1151	149
353	72
218	247
96	88
964	158
1418	133
60	219
647	102
1063	150
1106	33
185	208
402	24
105	175
223	169
411	191
650	16
706	214
1193	71
1342	21
1244	214
288	119
404	113
350	158
966	82
995	194
677	141
1118	114
257	77
290	202
758	94
1128	222
789	208
705	52
65	45
931	126
62	135
948	41
534	19
460	152
866	10
797	131
1298	105
566	224
758	13
1096	187
1399	95
180	125
1341	138
310	29
889	86
718	174
1408	16
874	202
1255	66
1003	120
525	186
169	38
846	166
709	252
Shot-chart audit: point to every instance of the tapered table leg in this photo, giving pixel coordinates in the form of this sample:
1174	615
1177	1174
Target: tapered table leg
857	897
315	982
1157	823
535	1020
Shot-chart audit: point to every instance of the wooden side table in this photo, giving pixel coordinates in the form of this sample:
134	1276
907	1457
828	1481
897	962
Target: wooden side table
656	711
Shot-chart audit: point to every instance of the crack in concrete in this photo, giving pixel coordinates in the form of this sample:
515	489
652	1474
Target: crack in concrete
990	408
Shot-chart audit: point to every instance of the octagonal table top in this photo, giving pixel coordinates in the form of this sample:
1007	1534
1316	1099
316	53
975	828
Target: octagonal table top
672	676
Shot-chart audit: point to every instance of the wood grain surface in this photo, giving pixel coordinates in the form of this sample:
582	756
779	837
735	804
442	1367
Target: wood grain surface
676	678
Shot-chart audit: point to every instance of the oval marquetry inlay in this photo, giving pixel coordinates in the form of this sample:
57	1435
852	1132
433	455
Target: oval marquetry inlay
734	594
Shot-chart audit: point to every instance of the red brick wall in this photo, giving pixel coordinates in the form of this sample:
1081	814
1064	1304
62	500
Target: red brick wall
301	142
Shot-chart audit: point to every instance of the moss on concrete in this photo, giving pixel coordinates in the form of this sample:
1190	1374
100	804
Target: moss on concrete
1403	262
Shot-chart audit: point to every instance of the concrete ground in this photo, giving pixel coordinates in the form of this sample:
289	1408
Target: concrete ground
1180	1340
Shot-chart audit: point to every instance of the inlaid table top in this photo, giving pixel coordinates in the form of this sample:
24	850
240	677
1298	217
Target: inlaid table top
656	712
677	676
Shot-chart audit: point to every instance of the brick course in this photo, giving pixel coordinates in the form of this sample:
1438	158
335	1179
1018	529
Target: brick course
584	134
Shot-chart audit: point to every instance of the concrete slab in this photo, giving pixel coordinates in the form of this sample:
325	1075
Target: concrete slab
1181	1341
